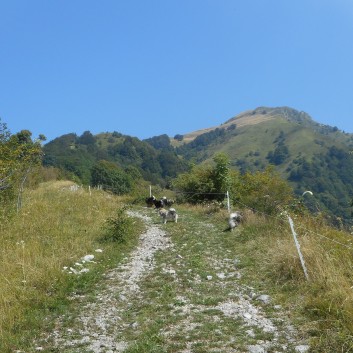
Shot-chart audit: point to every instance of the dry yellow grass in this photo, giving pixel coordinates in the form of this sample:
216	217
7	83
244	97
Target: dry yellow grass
244	119
326	298
55	228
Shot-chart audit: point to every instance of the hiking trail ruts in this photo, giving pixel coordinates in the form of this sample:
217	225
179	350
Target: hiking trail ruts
100	325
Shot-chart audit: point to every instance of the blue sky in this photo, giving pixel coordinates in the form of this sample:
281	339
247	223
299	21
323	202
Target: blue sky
149	67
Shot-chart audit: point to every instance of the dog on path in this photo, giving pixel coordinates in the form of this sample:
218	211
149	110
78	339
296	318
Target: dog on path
234	219
168	215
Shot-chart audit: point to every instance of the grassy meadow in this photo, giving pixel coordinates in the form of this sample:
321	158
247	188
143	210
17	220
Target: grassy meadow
56	227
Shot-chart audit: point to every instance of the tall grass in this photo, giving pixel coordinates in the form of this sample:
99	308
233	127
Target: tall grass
56	227
323	305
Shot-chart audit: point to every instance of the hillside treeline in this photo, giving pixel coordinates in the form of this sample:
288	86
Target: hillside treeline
83	158
306	154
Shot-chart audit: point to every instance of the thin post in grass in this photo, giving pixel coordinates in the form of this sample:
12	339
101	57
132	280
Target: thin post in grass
228	201
150	190
298	247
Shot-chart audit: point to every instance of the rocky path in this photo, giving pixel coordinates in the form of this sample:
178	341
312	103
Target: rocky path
103	325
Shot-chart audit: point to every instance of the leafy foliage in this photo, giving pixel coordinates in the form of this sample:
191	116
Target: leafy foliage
205	182
263	191
18	156
328	176
179	137
119	227
110	177
78	155
202	141
161	142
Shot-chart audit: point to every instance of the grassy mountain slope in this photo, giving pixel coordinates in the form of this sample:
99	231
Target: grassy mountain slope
308	154
311	156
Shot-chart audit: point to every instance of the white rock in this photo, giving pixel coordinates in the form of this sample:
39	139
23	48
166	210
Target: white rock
264	298
250	333
84	270
221	275
302	349
73	270
88	258
256	349
209	277
247	316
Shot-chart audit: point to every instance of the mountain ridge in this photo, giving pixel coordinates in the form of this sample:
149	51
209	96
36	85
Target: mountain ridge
260	115
310	155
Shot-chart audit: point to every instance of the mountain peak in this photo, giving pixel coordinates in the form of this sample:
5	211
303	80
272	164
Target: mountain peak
267	113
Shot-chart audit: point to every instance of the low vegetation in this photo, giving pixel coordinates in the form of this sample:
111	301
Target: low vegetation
46	239
57	226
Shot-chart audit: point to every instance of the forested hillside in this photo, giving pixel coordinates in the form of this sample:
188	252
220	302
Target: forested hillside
78	155
311	156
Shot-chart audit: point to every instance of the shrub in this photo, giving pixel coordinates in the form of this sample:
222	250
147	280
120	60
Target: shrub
119	227
264	191
111	177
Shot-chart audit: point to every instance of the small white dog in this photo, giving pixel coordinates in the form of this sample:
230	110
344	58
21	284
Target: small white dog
234	219
168	215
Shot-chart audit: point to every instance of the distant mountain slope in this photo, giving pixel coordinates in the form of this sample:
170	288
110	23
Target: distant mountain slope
310	155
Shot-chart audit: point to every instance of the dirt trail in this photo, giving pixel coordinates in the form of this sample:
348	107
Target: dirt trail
100	327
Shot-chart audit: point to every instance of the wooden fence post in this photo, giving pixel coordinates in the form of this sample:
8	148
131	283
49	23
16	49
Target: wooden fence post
228	201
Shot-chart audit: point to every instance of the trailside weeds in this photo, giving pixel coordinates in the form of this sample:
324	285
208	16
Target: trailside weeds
181	290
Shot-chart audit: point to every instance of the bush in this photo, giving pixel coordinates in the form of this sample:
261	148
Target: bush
119	227
264	191
111	177
205	183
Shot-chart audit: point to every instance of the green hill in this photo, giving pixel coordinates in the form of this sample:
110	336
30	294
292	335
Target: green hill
77	155
311	156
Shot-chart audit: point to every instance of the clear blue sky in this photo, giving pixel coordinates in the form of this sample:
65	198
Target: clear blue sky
145	68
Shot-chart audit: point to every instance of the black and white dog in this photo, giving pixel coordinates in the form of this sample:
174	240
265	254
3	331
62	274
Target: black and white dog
150	201
168	215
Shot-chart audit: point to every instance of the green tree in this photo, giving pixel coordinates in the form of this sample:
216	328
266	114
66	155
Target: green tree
18	156
110	177
205	182
264	191
87	138
221	173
